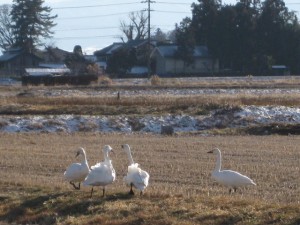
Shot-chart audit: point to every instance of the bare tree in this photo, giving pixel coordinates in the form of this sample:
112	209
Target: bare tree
136	29
7	38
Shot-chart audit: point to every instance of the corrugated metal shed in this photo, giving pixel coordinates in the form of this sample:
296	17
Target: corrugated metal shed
46	71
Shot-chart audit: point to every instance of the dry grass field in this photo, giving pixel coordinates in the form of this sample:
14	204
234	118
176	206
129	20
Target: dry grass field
180	192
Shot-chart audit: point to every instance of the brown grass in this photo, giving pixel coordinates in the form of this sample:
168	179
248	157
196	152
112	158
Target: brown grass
85	100
180	191
110	105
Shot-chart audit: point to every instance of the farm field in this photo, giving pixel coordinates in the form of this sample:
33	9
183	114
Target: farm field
254	121
181	190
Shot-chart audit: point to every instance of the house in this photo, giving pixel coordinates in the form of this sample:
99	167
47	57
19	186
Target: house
104	54
140	48
14	61
165	63
53	55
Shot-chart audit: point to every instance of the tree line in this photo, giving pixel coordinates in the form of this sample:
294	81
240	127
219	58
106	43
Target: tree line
246	38
24	24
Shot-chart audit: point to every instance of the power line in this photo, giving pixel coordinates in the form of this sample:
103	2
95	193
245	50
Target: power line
174	3
87	37
94	6
105	28
92	28
95	16
117	14
162	11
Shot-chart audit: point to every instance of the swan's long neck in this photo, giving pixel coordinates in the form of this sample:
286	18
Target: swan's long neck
218	163
84	161
106	157
130	157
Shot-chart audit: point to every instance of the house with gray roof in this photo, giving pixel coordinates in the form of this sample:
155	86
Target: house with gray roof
104	54
139	46
165	63
14	61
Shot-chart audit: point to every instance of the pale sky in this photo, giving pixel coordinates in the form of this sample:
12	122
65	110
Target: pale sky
94	24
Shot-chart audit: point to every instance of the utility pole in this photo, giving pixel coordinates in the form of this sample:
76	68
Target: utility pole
149	35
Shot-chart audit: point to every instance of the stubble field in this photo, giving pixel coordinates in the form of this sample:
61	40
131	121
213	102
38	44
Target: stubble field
181	190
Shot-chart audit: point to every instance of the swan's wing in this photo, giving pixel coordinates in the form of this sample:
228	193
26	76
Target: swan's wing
136	176
76	172
97	165
233	178
145	177
100	175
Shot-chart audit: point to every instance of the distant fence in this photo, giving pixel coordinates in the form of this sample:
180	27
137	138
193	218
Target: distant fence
51	80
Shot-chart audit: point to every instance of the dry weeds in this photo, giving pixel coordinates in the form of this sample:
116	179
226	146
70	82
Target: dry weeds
30	100
108	105
180	192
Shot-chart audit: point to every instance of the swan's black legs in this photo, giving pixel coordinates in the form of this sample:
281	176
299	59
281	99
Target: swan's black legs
76	188
79	186
131	191
92	192
232	190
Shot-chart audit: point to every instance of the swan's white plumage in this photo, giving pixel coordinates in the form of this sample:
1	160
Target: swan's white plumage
77	172
228	178
102	173
135	175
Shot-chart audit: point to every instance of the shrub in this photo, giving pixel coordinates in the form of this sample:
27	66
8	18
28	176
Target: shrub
155	80
104	80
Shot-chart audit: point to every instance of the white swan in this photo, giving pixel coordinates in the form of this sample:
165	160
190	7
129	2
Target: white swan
102	173
135	176
229	178
77	172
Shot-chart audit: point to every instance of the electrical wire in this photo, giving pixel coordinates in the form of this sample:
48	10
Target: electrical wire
162	11
95	6
87	37
96	16
173	3
102	28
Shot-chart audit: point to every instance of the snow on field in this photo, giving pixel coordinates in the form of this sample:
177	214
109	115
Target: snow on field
167	91
249	115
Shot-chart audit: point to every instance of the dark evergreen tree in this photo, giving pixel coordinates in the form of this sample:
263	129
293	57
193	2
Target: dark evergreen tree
31	22
185	38
121	60
243	37
76	61
275	28
248	37
204	18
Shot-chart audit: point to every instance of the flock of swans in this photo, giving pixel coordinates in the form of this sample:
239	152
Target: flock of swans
103	173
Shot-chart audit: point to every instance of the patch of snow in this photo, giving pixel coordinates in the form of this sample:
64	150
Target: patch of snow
249	115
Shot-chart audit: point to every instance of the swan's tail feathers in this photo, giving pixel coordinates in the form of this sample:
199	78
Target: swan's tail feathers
251	182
